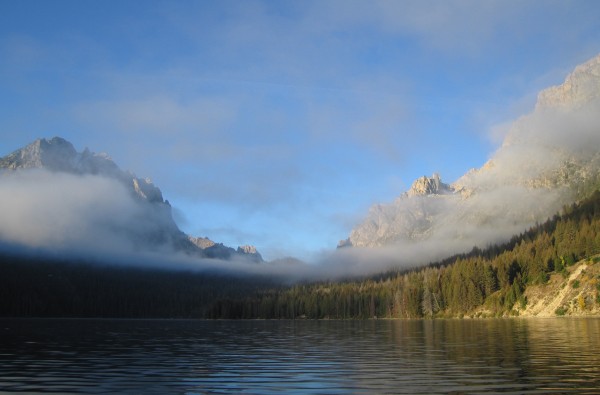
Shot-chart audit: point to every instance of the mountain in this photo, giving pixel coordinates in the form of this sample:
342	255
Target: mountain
59	155
220	251
149	224
552	269
548	158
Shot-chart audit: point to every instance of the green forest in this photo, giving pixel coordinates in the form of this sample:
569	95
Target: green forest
493	279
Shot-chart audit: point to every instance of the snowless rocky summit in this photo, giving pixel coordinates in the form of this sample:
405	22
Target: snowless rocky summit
579	88
549	158
429	186
220	251
59	155
202	242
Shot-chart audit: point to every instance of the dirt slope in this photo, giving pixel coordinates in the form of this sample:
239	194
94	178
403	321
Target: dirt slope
572	294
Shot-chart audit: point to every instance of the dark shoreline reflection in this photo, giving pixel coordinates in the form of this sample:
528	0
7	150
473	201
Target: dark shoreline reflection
333	357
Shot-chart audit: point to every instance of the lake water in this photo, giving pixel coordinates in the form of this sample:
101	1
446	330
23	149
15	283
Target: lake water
518	356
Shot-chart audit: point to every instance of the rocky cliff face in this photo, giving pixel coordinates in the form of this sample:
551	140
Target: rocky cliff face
549	158
59	155
156	228
429	186
201	242
220	251
580	87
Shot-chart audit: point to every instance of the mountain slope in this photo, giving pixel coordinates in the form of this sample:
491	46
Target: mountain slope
88	199
548	158
575	292
551	269
59	155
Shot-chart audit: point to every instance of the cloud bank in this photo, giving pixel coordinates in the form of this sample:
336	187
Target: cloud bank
97	219
549	158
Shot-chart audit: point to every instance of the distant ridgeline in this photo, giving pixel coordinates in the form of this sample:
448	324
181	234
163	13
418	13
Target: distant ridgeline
556	265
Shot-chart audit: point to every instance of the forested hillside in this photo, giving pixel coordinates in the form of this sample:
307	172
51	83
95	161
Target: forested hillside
56	288
490	282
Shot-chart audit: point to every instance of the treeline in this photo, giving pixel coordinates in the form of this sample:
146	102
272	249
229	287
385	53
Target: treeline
37	287
494	278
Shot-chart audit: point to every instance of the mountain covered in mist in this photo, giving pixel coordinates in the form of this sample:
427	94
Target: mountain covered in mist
83	200
548	158
221	251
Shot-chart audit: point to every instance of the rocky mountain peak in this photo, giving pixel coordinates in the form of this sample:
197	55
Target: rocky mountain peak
428	186
251	252
580	87
145	189
247	249
59	155
220	251
201	242
56	154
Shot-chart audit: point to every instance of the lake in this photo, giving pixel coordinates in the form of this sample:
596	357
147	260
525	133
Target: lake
520	356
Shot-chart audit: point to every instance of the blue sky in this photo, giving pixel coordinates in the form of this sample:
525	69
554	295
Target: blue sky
278	123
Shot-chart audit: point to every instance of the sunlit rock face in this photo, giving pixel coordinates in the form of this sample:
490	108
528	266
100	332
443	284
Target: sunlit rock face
250	251
201	242
548	158
429	186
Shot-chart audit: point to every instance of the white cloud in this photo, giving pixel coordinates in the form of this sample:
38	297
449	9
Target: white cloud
93	218
40	209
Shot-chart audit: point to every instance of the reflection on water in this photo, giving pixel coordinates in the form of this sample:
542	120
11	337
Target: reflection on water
321	357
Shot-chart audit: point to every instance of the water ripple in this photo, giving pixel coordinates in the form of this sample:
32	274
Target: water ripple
300	357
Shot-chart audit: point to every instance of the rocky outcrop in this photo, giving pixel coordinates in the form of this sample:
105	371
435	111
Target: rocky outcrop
59	155
221	251
55	154
579	88
201	242
250	251
429	186
573	292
